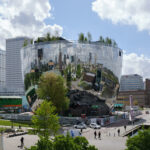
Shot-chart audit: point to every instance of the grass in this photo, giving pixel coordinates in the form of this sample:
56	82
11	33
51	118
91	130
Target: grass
15	123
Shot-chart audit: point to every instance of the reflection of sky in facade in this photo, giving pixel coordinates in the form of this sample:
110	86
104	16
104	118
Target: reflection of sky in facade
106	55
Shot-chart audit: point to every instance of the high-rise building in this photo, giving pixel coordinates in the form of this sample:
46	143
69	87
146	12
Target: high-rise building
14	81
2	69
131	82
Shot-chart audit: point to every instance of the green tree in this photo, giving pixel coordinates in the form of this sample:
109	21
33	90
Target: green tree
48	37
78	72
27	81
45	120
62	142
85	39
140	141
81	37
52	88
101	39
108	41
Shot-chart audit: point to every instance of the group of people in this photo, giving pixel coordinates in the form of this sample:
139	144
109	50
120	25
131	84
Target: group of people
99	134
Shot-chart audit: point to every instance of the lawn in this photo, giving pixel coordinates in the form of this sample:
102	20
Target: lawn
15	123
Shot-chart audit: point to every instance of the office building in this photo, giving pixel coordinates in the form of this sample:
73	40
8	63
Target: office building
14	81
131	82
2	69
140	97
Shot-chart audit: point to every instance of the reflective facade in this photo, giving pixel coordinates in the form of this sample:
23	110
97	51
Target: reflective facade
132	82
93	53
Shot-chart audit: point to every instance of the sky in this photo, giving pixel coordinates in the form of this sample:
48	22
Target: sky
125	21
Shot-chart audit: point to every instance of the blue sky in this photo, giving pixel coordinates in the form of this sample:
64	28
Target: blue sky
76	16
125	21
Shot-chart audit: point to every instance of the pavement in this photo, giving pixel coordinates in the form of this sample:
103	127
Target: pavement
109	136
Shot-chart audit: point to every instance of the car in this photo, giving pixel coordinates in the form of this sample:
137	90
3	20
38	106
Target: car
80	126
95	126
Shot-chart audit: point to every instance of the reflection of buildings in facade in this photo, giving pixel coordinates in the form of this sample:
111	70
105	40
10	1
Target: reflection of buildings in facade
2	69
62	52
131	82
14	82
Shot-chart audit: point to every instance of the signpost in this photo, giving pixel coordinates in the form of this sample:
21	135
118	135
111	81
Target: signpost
131	117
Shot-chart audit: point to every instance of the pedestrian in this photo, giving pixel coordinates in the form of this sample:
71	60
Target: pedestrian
99	135
95	134
81	130
22	142
118	132
125	127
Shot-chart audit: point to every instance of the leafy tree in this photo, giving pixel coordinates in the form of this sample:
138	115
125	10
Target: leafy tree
140	141
78	71
89	37
64	143
48	37
101	39
51	87
85	39
108	41
45	120
27	81
81	37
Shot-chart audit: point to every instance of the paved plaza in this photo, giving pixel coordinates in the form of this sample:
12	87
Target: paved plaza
109	137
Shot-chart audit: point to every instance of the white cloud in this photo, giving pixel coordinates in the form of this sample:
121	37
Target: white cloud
131	12
25	18
135	64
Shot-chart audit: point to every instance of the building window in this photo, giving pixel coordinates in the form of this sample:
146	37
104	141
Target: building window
119	53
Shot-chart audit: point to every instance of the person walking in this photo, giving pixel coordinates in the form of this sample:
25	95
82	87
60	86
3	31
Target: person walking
99	135
95	134
118	132
125	127
22	142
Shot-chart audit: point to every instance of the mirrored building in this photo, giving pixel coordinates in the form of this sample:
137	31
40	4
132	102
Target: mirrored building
63	52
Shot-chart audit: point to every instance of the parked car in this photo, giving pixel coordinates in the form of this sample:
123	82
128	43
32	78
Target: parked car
80	126
95	126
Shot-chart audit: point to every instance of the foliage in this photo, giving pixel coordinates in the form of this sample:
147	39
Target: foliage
42	144
31	79
78	72
140	141
84	85
69	80
25	43
81	37
108	41
52	88
64	143
45	120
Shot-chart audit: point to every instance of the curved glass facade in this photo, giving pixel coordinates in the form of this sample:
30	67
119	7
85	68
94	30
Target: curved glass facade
93	53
